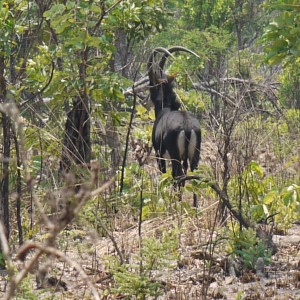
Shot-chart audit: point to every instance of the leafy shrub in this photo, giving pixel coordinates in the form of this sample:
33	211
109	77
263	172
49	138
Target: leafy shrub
263	197
246	245
138	280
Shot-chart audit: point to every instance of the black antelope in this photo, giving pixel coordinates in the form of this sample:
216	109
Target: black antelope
176	134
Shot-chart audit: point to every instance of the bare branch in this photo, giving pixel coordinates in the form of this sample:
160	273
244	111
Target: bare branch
220	193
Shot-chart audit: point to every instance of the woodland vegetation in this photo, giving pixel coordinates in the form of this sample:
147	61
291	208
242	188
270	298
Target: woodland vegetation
85	212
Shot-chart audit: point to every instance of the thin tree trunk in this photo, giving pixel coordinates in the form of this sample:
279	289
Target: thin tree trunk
4	179
19	187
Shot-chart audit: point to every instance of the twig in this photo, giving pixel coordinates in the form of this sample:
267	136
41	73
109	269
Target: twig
43	88
104	13
127	143
111	238
102	188
61	255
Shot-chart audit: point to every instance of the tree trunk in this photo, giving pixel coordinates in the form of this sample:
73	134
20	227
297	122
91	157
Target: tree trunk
77	143
4	179
19	186
77	140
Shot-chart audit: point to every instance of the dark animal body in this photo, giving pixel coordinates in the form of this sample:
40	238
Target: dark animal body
176	134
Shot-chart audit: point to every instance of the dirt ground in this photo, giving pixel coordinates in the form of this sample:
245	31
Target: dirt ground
191	278
201	272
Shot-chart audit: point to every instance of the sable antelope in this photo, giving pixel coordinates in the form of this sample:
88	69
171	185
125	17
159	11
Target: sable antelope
176	134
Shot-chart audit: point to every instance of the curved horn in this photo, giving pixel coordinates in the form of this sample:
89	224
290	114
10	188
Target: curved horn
150	68
172	50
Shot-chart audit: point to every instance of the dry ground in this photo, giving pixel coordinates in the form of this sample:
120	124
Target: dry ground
190	278
201	269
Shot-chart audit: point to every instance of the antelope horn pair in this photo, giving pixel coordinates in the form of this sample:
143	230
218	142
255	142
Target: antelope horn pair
166	54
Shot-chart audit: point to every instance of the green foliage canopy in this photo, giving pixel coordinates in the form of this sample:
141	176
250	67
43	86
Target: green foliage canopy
281	37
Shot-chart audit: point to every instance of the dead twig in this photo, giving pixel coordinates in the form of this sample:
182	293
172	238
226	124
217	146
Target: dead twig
113	240
61	255
71	210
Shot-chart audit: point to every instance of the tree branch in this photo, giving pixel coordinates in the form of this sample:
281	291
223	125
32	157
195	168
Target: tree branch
222	194
43	88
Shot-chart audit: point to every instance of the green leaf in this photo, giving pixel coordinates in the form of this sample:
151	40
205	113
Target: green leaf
270	197
55	10
256	168
141	110
257	211
189	188
70	4
152	115
276	59
287	197
76	43
93	41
